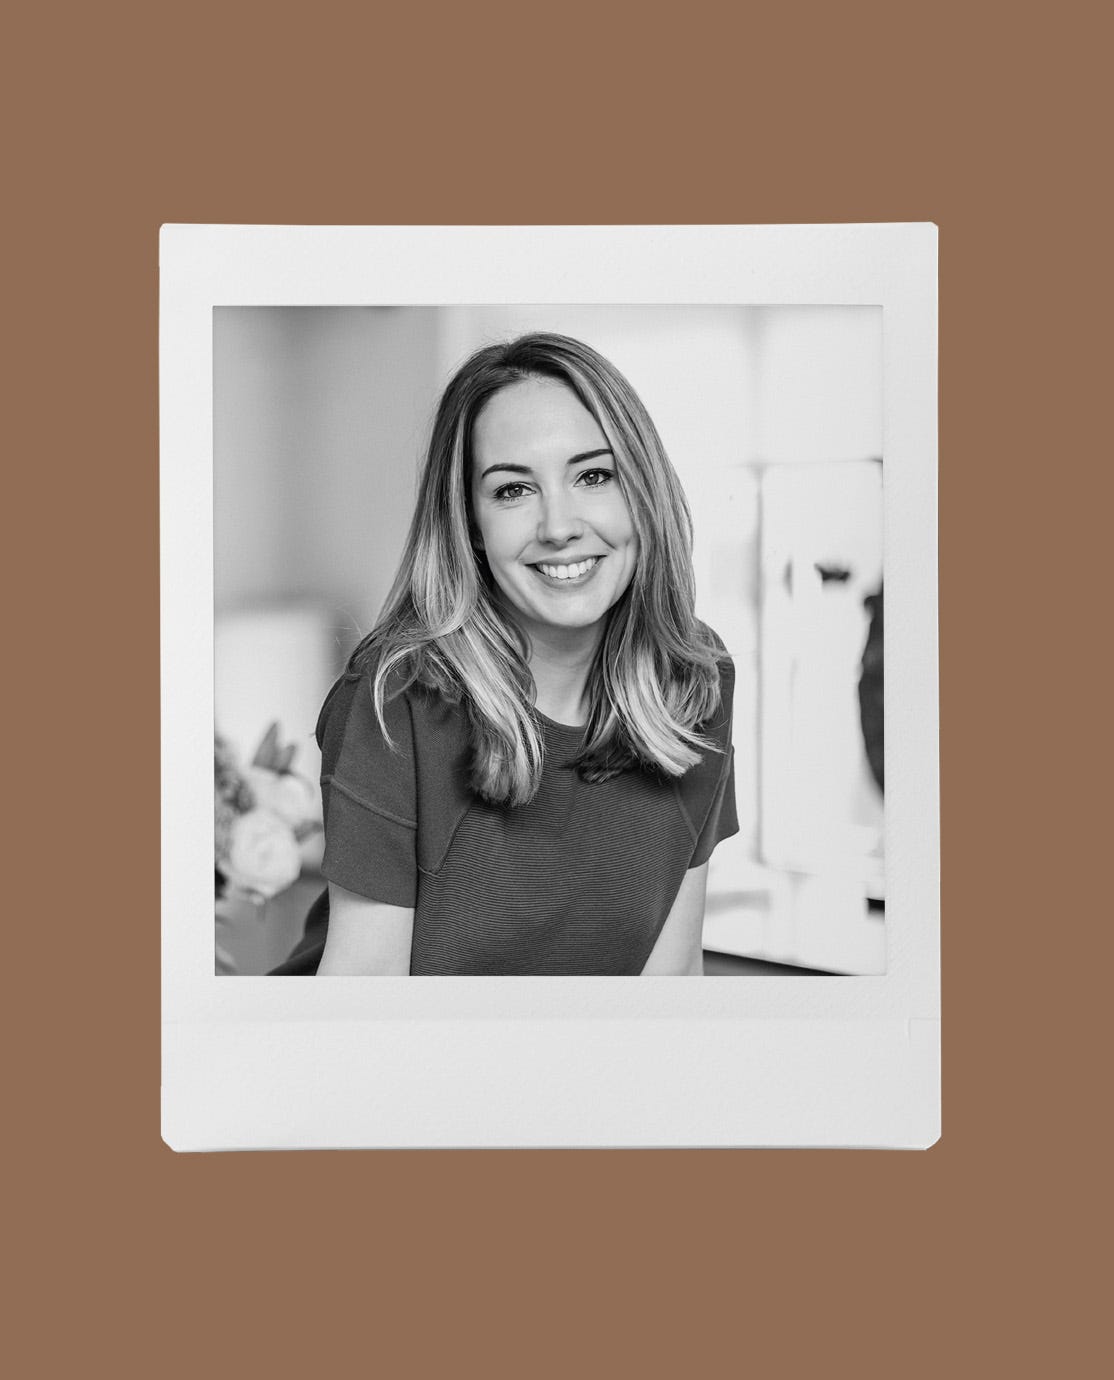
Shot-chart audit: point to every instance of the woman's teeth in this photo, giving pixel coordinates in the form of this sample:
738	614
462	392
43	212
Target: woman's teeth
568	572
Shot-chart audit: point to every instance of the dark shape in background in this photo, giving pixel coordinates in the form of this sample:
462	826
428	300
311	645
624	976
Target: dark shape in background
871	692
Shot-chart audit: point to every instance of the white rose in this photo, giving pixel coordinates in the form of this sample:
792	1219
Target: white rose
262	855
285	794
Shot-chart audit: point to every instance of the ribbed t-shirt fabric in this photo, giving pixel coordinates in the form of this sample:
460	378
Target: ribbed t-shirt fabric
577	882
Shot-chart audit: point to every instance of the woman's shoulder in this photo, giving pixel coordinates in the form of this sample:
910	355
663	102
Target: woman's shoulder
720	720
712	638
353	691
399	699
697	788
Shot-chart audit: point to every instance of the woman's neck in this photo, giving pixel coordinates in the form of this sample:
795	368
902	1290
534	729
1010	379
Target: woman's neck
560	667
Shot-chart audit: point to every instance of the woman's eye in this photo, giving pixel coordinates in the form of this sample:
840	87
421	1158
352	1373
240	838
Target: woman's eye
595	479
507	493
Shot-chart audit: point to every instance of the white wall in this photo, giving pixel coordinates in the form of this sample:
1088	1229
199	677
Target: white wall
319	422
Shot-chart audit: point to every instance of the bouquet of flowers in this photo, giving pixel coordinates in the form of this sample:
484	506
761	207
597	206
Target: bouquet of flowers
264	814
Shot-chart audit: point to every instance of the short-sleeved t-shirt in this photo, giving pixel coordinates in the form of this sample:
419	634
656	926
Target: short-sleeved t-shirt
578	881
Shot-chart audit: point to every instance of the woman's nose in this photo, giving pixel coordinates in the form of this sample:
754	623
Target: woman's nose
559	523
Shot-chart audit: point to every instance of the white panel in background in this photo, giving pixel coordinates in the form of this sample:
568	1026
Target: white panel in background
819	383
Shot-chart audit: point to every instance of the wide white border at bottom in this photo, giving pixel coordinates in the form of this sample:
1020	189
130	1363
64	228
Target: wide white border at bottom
611	1083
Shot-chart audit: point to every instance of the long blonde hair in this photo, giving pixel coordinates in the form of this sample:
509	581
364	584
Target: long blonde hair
655	677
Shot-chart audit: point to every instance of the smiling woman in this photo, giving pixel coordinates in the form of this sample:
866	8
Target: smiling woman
528	762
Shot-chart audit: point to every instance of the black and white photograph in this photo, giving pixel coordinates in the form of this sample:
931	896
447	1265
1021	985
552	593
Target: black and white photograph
549	640
531	587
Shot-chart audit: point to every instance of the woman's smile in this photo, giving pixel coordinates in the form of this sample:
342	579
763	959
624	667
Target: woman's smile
570	575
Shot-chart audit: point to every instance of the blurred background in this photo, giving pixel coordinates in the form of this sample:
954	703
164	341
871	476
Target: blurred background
772	417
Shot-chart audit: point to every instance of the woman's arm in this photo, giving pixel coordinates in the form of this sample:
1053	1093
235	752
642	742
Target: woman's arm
366	938
679	951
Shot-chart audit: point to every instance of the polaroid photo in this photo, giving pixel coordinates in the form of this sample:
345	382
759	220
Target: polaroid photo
561	604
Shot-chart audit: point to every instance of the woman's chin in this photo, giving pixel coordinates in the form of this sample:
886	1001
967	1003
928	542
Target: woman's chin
565	622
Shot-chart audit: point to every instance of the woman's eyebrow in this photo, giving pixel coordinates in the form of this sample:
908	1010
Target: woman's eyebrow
525	469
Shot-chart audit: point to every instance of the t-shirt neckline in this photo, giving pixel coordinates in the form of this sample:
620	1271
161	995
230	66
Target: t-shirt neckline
564	728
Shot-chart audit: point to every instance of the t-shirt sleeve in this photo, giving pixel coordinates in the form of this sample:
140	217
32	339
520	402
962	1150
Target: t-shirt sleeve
368	794
721	819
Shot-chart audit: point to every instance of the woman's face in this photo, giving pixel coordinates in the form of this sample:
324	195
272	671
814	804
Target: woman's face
549	512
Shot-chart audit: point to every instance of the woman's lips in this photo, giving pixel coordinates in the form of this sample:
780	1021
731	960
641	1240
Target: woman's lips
553	577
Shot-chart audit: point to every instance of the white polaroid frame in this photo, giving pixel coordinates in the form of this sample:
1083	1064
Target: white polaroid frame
256	1063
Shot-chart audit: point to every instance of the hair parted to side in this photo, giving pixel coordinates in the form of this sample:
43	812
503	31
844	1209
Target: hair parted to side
655	677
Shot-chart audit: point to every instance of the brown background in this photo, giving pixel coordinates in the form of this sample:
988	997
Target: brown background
976	1257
